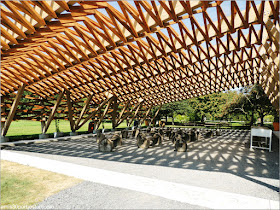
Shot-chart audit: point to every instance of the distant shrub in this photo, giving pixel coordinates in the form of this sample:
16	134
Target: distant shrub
269	118
182	118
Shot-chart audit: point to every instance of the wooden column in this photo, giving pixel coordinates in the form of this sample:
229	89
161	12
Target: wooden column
2	123
58	100
114	113
43	119
155	115
137	110
12	111
70	111
43	124
3	119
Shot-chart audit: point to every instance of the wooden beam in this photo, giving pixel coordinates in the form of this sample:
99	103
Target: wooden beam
136	111
129	112
122	112
114	113
104	113
43	125
93	113
143	65
70	111
50	118
12	110
146	115
155	114
273	32
83	111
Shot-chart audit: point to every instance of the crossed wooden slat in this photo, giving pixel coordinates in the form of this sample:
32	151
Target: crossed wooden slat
125	52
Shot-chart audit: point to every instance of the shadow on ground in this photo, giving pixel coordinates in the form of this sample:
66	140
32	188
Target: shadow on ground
227	153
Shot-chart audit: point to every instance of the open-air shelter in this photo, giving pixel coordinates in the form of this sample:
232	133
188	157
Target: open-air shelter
117	60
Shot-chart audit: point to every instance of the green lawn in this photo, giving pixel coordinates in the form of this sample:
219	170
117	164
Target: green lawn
11	183
236	124
180	126
28	127
24	186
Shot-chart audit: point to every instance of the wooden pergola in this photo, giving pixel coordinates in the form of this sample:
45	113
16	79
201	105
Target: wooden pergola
83	60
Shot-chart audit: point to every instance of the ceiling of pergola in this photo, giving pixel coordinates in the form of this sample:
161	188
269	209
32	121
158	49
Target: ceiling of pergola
160	51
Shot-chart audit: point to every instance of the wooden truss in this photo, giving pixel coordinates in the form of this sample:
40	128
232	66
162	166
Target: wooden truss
157	51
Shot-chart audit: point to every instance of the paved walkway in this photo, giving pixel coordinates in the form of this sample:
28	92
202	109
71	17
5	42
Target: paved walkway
215	173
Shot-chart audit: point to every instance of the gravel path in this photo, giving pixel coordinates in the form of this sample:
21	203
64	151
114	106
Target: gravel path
88	195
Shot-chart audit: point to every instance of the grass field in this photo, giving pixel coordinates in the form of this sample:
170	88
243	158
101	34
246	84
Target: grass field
24	186
28	127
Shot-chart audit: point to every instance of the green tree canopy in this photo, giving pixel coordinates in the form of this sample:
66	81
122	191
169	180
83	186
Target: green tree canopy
252	102
211	106
246	104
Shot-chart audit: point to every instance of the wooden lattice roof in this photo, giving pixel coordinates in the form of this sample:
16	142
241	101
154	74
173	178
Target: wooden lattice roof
160	51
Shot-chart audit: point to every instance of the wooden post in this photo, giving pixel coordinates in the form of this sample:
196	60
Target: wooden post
137	110
53	112
43	124
43	119
70	111
152	121
12	110
2	124
114	113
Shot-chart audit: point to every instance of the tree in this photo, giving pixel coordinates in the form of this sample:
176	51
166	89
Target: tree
182	118
247	104
167	110
211	106
251	102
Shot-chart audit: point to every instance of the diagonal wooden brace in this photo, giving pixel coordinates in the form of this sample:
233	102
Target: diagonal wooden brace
146	115
12	111
83	112
58	100
155	114
93	113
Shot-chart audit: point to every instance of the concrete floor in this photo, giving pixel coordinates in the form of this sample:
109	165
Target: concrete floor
223	163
